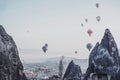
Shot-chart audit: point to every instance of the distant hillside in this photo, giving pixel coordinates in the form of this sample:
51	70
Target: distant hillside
55	61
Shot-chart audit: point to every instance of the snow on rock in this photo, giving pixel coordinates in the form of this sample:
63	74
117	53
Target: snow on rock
11	67
73	72
104	58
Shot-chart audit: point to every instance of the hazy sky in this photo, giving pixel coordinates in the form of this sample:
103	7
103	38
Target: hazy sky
32	23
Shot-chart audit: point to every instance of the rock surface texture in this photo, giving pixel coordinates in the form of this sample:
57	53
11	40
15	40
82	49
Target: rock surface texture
73	72
104	58
11	67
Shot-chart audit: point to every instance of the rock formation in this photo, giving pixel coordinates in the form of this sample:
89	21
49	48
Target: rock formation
11	67
55	77
73	72
104	59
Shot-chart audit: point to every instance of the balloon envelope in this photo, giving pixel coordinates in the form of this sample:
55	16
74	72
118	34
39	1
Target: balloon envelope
89	46
82	25
46	45
86	20
44	48
75	52
97	5
89	32
98	18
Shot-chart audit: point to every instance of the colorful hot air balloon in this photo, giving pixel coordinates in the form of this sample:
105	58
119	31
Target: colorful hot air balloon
89	46
89	32
44	48
86	20
98	18
97	5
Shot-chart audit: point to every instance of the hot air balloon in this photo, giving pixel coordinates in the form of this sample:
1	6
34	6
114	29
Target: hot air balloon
89	46
86	20
97	5
82	24
46	45
75	52
44	48
89	32
98	18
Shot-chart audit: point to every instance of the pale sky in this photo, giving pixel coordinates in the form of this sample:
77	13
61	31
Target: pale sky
32	23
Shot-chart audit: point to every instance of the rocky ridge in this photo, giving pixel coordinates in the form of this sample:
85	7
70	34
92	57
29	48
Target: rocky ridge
73	72
11	67
104	58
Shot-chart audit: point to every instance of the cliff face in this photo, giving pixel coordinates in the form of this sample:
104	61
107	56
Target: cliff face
104	58
11	67
73	72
